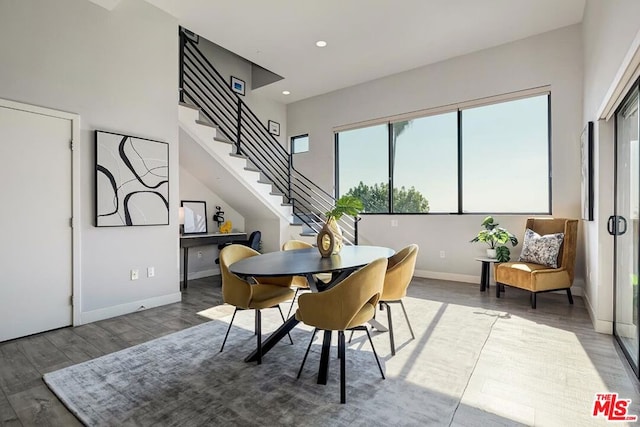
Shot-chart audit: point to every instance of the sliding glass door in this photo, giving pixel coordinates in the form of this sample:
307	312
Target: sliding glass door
625	228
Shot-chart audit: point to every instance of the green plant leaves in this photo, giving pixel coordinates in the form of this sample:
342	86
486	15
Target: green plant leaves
345	205
503	254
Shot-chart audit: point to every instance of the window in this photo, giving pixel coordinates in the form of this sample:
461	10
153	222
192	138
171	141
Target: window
363	166
478	159
299	144
420	182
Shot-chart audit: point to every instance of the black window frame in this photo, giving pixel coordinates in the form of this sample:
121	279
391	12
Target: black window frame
460	163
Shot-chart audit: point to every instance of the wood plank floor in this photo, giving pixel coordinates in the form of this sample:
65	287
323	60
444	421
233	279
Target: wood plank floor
556	338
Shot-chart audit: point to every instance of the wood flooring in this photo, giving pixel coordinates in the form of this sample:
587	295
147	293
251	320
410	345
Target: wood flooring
551	348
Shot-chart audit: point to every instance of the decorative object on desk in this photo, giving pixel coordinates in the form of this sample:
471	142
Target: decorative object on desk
218	217
496	237
274	128
237	85
131	180
586	152
226	227
329	239
195	217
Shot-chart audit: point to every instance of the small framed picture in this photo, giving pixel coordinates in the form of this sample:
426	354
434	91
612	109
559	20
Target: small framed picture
274	128
237	85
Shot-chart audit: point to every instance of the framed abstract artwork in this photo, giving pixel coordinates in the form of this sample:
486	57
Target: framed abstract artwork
237	85
131	181
195	217
586	151
273	128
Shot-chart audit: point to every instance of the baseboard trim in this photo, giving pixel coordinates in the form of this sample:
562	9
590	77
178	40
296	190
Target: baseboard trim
576	289
601	326
130	307
203	273
454	277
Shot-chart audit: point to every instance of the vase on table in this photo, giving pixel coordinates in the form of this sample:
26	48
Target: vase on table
491	253
329	239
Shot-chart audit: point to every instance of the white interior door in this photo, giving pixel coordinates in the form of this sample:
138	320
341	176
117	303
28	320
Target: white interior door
36	237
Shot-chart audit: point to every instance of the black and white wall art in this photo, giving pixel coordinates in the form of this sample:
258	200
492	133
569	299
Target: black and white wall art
132	181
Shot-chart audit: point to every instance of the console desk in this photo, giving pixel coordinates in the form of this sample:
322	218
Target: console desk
193	240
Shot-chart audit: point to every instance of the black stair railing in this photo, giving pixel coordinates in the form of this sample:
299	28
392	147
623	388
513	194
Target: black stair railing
202	86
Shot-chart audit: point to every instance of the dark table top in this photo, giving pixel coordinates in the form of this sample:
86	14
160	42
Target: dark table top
308	261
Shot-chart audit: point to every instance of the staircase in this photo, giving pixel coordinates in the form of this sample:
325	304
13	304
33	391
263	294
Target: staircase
232	152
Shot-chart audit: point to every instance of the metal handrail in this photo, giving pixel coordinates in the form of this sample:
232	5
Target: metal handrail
202	85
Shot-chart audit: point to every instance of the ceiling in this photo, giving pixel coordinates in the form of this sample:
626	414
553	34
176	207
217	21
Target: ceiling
367	39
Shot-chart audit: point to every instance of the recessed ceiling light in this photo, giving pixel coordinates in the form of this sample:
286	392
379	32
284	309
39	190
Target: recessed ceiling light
286	92
321	43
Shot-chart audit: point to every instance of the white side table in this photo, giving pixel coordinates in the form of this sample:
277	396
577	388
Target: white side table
484	276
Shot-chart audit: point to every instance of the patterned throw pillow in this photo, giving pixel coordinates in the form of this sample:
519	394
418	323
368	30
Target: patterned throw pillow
541	250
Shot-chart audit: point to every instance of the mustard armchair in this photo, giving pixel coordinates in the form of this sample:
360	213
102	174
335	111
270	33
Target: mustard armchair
396	281
244	296
537	278
297	282
347	305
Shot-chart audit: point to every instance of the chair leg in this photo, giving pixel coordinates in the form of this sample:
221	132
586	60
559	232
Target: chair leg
228	329
283	321
533	300
391	340
341	346
304	359
259	335
374	352
351	336
293	301
497	290
407	317
569	296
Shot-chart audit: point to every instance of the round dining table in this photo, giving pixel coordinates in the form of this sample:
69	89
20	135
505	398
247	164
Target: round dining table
307	262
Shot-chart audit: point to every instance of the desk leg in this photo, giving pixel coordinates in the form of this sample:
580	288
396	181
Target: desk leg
324	358
185	267
273	339
484	276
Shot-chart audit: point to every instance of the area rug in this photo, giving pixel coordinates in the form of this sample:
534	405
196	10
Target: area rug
183	379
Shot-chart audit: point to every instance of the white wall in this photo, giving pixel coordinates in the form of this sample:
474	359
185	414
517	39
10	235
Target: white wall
608	29
118	71
193	189
553	58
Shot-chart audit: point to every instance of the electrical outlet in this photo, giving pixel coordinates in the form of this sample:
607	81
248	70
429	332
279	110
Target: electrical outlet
199	254
151	271
442	255
134	274
394	222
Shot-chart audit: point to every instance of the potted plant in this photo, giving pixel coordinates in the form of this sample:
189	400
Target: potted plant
496	237
329	239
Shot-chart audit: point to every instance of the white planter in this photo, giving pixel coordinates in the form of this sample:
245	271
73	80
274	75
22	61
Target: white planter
491	253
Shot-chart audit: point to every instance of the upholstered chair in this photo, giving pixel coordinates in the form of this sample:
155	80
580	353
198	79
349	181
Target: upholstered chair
244	296
297	282
396	281
542	270
348	305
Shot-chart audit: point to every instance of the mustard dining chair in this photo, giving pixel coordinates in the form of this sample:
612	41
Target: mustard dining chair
396	281
245	296
297	282
346	306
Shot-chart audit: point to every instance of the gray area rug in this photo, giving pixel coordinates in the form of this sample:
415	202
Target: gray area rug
182	379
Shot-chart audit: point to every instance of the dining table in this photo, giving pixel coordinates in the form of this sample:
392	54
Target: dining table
308	262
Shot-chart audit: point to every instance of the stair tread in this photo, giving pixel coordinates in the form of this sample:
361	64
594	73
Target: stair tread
222	139
240	156
249	168
183	104
207	124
